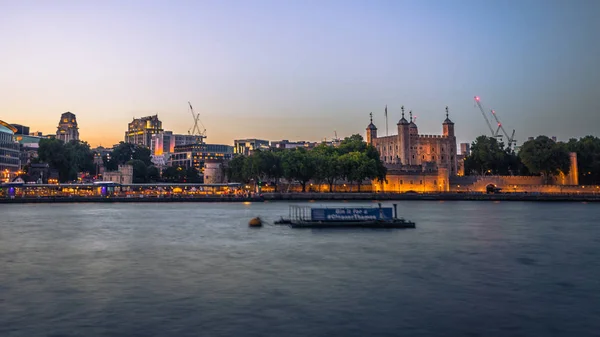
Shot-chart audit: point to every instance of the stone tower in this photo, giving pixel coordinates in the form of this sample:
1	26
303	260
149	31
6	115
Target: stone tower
371	130
448	126
412	126
67	127
404	139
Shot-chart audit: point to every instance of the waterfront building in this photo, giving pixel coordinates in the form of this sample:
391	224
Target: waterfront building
195	155
140	130
214	172
10	163
67	129
124	175
247	146
410	149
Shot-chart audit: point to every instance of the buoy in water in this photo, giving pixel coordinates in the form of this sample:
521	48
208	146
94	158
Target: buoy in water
255	222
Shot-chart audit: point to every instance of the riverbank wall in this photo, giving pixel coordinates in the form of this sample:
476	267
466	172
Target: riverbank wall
333	197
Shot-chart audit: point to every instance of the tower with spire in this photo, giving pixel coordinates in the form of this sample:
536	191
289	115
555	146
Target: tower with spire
448	126
371	130
403	140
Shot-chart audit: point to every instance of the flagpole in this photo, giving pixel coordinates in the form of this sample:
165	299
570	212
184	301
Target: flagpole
386	121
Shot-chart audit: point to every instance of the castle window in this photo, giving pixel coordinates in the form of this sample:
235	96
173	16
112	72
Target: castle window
411	182
401	182
423	157
435	182
442	157
432	157
413	156
451	157
421	182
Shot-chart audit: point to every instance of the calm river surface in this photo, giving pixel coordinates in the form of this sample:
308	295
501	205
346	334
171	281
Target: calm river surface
196	269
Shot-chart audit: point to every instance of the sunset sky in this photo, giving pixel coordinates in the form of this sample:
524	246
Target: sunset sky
301	70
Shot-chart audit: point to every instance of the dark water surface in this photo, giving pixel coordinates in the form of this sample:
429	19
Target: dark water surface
468	269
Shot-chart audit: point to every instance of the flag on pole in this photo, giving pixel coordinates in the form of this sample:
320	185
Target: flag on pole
386	121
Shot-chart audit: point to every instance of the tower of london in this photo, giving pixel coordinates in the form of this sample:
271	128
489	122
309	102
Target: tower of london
411	151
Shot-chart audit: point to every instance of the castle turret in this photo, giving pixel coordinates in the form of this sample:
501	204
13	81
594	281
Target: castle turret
371	131
448	129
448	126
404	139
413	129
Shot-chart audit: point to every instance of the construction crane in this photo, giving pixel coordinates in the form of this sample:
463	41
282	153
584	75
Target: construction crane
510	140
496	134
487	121
195	130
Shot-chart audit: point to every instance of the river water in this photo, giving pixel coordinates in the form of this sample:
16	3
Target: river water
196	269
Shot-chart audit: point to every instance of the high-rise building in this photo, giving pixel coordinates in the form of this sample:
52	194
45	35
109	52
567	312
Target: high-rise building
67	129
10	162
140	130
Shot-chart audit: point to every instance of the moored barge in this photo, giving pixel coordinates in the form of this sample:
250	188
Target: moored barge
347	217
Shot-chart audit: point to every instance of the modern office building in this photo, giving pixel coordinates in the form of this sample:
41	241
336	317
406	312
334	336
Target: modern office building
21	129
194	155
67	129
247	146
140	130
10	162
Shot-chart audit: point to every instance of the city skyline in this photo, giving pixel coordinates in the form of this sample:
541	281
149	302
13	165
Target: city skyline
300	70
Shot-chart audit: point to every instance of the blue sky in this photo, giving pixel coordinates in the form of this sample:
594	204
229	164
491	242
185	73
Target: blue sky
301	69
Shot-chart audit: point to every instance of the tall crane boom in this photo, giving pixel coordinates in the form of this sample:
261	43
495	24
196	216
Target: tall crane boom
509	139
195	130
487	121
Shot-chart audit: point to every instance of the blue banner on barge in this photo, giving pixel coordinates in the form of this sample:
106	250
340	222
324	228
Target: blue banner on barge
340	214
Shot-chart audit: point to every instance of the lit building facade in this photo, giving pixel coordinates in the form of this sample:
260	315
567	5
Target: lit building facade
140	130
67	129
195	155
286	144
247	146
162	143
10	162
410	149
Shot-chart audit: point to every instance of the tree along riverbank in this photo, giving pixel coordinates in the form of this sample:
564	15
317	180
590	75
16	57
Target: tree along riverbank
323	197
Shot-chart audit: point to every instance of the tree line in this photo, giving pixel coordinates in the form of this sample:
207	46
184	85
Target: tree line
539	156
144	171
353	161
76	157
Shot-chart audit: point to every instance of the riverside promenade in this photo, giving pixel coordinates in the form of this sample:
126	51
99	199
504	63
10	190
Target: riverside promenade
274	197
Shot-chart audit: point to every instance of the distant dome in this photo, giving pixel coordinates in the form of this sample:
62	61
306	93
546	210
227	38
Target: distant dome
371	126
448	121
402	121
412	125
